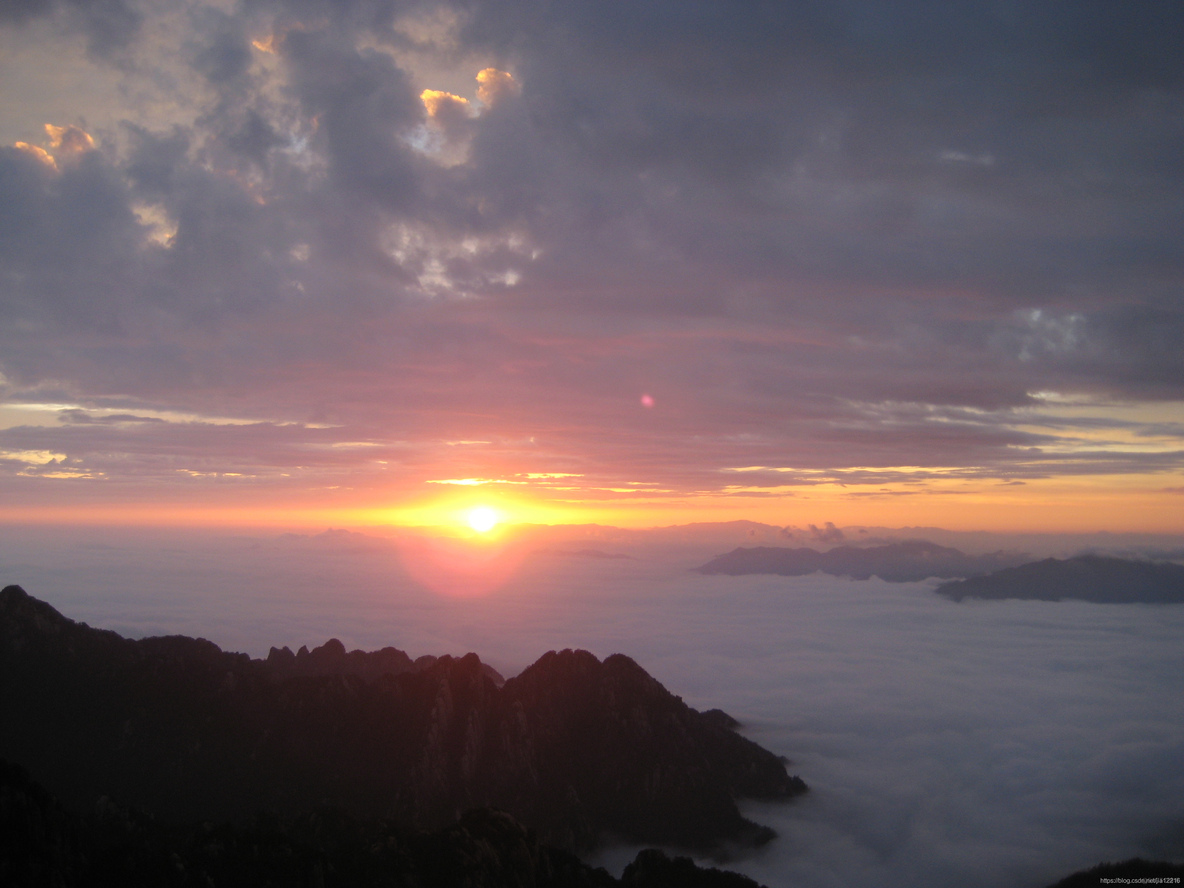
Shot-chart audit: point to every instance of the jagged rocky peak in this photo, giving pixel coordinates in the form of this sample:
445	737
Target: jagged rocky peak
577	748
18	606
29	625
611	735
579	668
331	658
281	659
331	649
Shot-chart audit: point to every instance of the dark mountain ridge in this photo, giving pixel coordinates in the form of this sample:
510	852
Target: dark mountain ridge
907	561
331	658
42	843
1097	578
579	749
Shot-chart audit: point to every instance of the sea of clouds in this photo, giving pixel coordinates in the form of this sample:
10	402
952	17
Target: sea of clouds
974	744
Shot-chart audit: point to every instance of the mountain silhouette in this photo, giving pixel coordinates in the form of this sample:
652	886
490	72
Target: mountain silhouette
579	749
1098	578
42	843
331	658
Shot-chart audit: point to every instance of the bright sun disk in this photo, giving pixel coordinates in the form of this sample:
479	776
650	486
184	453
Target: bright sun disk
482	519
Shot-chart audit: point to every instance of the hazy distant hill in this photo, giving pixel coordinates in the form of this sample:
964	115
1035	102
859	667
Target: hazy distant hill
1095	578
574	747
902	562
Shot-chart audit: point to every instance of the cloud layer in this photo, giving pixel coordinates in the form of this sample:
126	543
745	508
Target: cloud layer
841	244
980	744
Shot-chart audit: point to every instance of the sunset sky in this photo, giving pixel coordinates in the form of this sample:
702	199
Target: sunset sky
355	262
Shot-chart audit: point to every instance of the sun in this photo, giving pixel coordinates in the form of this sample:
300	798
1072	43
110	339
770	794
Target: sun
482	519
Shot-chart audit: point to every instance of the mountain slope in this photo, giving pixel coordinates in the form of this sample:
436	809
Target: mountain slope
41	843
576	748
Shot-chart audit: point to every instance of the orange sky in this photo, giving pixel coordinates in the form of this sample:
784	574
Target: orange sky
1088	505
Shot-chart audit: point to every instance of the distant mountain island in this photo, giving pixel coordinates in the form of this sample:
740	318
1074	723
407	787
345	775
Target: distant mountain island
576	748
902	562
1096	578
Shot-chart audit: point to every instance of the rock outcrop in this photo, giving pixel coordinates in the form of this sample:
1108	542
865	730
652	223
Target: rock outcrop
42	843
1135	871
579	749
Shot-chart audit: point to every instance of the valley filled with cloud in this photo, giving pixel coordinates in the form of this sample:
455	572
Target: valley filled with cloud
974	743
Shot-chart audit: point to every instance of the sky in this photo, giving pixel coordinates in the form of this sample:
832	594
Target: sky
363	262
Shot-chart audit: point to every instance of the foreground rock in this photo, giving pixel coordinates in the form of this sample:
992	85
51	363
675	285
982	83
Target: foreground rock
1096	578
908	561
1129	872
41	843
578	749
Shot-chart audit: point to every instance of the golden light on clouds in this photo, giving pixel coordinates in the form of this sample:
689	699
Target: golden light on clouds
68	139
39	153
34	457
441	104
495	85
64	142
445	107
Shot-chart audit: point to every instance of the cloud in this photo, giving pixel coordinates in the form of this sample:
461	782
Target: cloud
223	52
829	534
65	143
495	86
444	106
38	153
983	160
68	140
837	240
110	26
999	743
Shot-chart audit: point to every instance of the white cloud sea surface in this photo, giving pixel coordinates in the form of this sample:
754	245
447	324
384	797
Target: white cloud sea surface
974	744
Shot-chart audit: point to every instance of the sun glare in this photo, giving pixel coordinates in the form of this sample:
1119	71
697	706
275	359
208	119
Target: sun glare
482	519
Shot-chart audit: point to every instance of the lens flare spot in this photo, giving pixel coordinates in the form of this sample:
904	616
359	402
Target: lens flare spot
482	519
